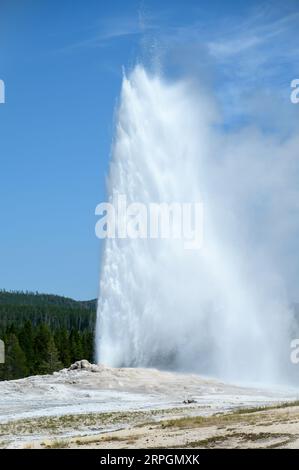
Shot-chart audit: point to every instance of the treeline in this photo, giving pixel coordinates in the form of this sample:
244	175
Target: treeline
43	334
55	316
35	298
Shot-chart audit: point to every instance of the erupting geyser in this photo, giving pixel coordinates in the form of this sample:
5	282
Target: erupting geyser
215	310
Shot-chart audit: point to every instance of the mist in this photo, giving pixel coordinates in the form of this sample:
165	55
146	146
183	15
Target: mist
223	310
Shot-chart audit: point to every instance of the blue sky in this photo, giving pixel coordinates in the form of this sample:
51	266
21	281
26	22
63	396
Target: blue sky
62	66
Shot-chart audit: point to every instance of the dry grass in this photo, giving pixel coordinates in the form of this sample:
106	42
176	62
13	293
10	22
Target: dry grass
213	441
246	415
107	438
58	444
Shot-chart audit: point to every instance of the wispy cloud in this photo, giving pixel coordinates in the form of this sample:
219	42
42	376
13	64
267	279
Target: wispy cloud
245	51
113	28
246	55
252	34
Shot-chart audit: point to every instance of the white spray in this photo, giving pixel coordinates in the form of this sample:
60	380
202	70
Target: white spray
212	310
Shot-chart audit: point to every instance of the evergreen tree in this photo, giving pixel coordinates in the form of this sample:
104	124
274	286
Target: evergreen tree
51	363
26	340
15	360
75	346
63	345
43	332
87	340
41	347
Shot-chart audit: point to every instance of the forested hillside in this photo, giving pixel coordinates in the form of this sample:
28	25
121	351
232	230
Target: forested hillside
43	333
34	298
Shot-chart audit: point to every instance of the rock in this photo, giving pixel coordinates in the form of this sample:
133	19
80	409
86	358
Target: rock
85	364
79	365
189	401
